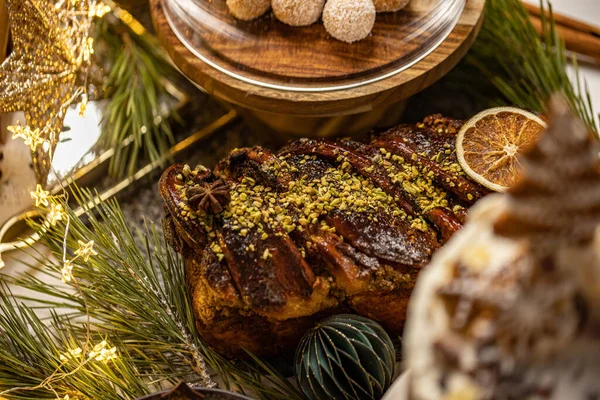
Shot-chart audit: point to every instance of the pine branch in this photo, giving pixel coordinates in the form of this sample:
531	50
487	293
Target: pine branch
135	89
524	68
35	362
134	289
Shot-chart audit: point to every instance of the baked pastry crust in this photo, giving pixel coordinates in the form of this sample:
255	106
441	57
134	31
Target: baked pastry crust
319	228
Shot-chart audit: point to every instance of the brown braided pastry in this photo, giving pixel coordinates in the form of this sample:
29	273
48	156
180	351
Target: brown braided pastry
273	242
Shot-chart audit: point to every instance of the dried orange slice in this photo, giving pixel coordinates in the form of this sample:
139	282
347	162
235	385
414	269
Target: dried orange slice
488	145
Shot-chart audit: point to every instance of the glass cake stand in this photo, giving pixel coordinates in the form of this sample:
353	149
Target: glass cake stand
269	54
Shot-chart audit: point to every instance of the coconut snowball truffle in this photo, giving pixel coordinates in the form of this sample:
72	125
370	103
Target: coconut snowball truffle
390	5
349	20
298	12
248	10
345	20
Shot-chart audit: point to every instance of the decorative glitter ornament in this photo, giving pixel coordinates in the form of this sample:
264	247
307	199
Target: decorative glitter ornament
345	357
247	10
349	20
46	70
298	12
390	5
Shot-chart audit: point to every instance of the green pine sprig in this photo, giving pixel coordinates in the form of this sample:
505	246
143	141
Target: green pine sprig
36	362
135	122
135	293
524	67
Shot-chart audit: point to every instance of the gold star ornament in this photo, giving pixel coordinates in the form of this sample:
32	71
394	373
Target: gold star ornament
46	70
41	197
85	250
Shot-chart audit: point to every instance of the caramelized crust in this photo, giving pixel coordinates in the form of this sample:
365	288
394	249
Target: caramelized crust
317	228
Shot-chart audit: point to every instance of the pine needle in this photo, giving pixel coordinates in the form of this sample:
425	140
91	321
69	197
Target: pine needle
525	68
136	92
31	367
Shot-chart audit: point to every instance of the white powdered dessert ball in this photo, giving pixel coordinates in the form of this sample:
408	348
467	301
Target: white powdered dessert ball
349	20
390	5
298	12
248	10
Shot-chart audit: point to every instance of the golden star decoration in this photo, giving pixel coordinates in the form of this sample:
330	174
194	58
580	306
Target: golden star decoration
85	250
55	214
40	196
46	70
103	352
31	138
67	271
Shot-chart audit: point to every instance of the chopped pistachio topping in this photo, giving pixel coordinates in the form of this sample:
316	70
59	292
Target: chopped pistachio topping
305	201
266	254
417	181
256	208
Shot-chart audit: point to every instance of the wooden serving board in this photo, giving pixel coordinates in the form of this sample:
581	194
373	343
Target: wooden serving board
305	57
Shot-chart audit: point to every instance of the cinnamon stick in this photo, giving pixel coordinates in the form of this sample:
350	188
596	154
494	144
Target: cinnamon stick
563	20
575	41
579	37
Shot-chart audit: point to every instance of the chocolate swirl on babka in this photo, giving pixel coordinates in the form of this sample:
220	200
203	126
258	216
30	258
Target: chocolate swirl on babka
317	228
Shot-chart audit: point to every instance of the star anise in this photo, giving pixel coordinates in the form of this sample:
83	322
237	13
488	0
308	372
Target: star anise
210	197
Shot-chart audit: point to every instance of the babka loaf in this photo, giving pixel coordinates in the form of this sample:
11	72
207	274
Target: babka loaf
273	242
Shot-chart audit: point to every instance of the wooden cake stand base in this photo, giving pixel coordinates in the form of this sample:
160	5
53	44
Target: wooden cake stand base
324	113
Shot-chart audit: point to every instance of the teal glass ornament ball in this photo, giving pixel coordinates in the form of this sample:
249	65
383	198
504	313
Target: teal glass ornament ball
345	357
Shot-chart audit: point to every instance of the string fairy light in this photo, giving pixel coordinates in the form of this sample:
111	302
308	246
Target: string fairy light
85	250
56	213
40	196
99	10
31	137
67	271
71	354
83	105
103	352
46	72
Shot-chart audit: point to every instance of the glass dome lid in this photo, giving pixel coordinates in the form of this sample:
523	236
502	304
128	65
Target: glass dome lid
268	53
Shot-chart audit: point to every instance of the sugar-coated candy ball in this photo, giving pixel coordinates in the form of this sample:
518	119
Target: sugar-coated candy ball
390	5
349	20
298	12
248	9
